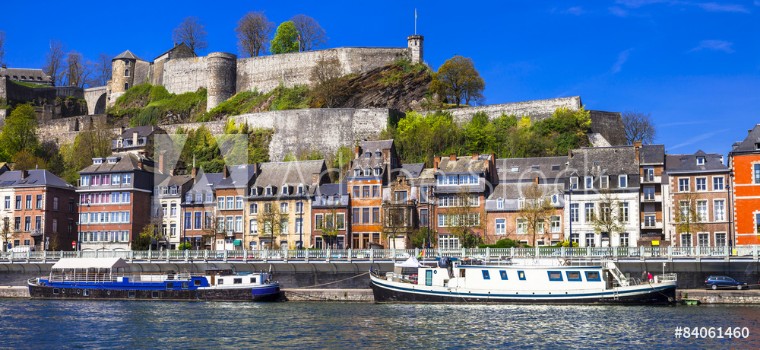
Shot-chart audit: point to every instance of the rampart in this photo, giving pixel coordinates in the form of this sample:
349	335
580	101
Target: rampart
536	109
65	130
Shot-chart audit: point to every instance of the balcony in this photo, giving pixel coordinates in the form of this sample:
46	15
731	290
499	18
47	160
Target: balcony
651	179
647	224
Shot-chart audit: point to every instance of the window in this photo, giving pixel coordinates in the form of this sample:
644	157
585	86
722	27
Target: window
486	275
685	211
197	220
605	209
604	181
238	224
283	208
365	191
377	171
18	202
340	221
37	223
590	240
446	242
522	226
573	276
375	215
686	240
355	216
703	239
399	196
623	215
718	183
299	207
574	183
126	72
574	211
188	218
588	212
501	227
220	203
593	276
8	202
649	220
173	230
39	202
253	208
500	203
55	225
554	276
29	201
589	182
254	226
701	183
683	185
318	221
702	211
126	86
230	203
556	224
521	275
575	238
285	190
356	191
424	218
624	239
720	239
648	193
756	173
719	209
173	211
503	275
365	215
757	223
27	223
239	202
17	223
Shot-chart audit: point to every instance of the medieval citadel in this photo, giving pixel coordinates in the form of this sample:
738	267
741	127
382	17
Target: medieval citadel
179	70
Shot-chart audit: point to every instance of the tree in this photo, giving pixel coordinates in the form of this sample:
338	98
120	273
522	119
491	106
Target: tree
330	228
146	237
19	132
192	33
101	71
25	160
464	218
608	218
285	38
270	220
638	127
2	45
253	31
7	232
76	69
310	33
688	219
535	210
328	91
457	81
54	62
90	143
419	238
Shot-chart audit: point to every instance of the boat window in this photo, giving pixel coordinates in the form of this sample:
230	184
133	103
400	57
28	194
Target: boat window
237	281
131	294
220	281
184	285
486	275
503	275
197	282
429	277
593	276
574	276
253	279
56	290
86	292
154	295
521	275
555	276
169	285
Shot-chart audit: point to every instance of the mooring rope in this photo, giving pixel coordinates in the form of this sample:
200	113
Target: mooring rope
324	284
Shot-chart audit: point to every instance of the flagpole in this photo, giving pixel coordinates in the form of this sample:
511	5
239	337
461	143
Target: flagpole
415	21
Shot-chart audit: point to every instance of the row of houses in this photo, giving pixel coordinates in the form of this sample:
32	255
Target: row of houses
598	196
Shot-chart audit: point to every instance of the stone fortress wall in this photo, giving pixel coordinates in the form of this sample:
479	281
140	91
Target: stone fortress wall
536	109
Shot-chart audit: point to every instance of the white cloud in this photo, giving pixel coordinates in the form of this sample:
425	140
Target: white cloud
575	10
620	12
698	138
716	7
640	3
621	59
714	45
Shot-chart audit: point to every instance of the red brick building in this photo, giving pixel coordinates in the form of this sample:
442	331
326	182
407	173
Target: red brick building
744	164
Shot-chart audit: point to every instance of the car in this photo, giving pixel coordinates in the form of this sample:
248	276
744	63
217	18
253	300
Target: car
715	282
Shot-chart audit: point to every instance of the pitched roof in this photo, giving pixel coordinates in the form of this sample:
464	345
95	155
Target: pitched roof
376	145
34	178
652	154
331	189
29	74
180	46
516	190
125	162
526	169
278	174
126	54
142	131
749	143
677	163
176	180
595	161
240	176
206	181
412	171
464	164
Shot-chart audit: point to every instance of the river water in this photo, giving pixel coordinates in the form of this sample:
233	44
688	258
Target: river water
43	324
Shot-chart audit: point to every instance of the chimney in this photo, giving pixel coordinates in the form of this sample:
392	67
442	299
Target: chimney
122	130
161	163
194	172
475	156
535	180
315	178
24	174
140	164
357	151
225	172
436	161
453	157
134	138
637	148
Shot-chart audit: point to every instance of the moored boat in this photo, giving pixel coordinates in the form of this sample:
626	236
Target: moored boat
107	278
548	282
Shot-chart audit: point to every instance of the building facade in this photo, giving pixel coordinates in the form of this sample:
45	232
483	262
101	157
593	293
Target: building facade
654	193
199	210
169	194
329	215
230	205
744	167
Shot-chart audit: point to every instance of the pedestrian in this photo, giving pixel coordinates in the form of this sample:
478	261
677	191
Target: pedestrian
649	277
644	276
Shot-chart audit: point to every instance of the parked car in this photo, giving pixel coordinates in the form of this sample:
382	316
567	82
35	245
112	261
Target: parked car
715	282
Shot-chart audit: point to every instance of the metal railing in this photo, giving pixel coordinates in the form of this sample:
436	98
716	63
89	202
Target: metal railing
350	255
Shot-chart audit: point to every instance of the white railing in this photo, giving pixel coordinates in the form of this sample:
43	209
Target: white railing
350	255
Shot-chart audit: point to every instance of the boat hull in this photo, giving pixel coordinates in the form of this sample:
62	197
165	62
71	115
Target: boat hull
396	293
85	292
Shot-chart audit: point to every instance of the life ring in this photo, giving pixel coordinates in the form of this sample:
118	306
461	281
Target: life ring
79	291
108	292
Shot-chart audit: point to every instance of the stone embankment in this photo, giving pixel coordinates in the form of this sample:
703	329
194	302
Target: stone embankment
704	296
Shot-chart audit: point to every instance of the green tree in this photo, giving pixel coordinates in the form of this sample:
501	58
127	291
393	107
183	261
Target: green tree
285	38
419	238
19	132
145	238
91	143
457	81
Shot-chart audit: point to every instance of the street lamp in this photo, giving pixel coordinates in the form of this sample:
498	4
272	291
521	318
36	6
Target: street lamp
570	219
730	213
300	226
431	199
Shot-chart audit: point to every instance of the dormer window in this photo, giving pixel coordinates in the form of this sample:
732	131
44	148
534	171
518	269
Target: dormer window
500	203
535	167
300	189
377	171
520	203
164	190
589	182
514	169
112	160
757	146
357	172
97	161
188	197
269	191
555	199
254	191
700	160
173	190
285	190
367	154
367	172
574	183
378	154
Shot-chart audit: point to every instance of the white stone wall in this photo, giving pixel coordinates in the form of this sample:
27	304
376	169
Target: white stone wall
185	74
536	109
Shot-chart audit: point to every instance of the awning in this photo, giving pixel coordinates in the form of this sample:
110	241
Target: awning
93	263
411	262
237	242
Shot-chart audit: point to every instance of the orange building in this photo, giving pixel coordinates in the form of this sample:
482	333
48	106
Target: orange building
744	164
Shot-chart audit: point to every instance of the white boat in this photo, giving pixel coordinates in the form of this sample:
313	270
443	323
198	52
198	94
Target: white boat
554	281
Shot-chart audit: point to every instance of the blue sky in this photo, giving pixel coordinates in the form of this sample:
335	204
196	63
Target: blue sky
694	65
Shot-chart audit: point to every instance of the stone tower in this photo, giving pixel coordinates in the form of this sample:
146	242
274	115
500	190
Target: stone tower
414	43
123	72
222	77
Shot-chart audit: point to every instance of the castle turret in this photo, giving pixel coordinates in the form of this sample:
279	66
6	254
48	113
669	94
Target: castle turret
222	73
123	72
414	43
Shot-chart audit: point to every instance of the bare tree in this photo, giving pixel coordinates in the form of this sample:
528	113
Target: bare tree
328	91
270	220
7	232
638	127
605	221
76	69
253	32
688	217
2	44
192	33
54	62
100	71
310	33
535	209
464	218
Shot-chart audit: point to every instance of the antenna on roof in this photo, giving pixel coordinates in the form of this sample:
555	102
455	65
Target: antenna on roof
415	21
